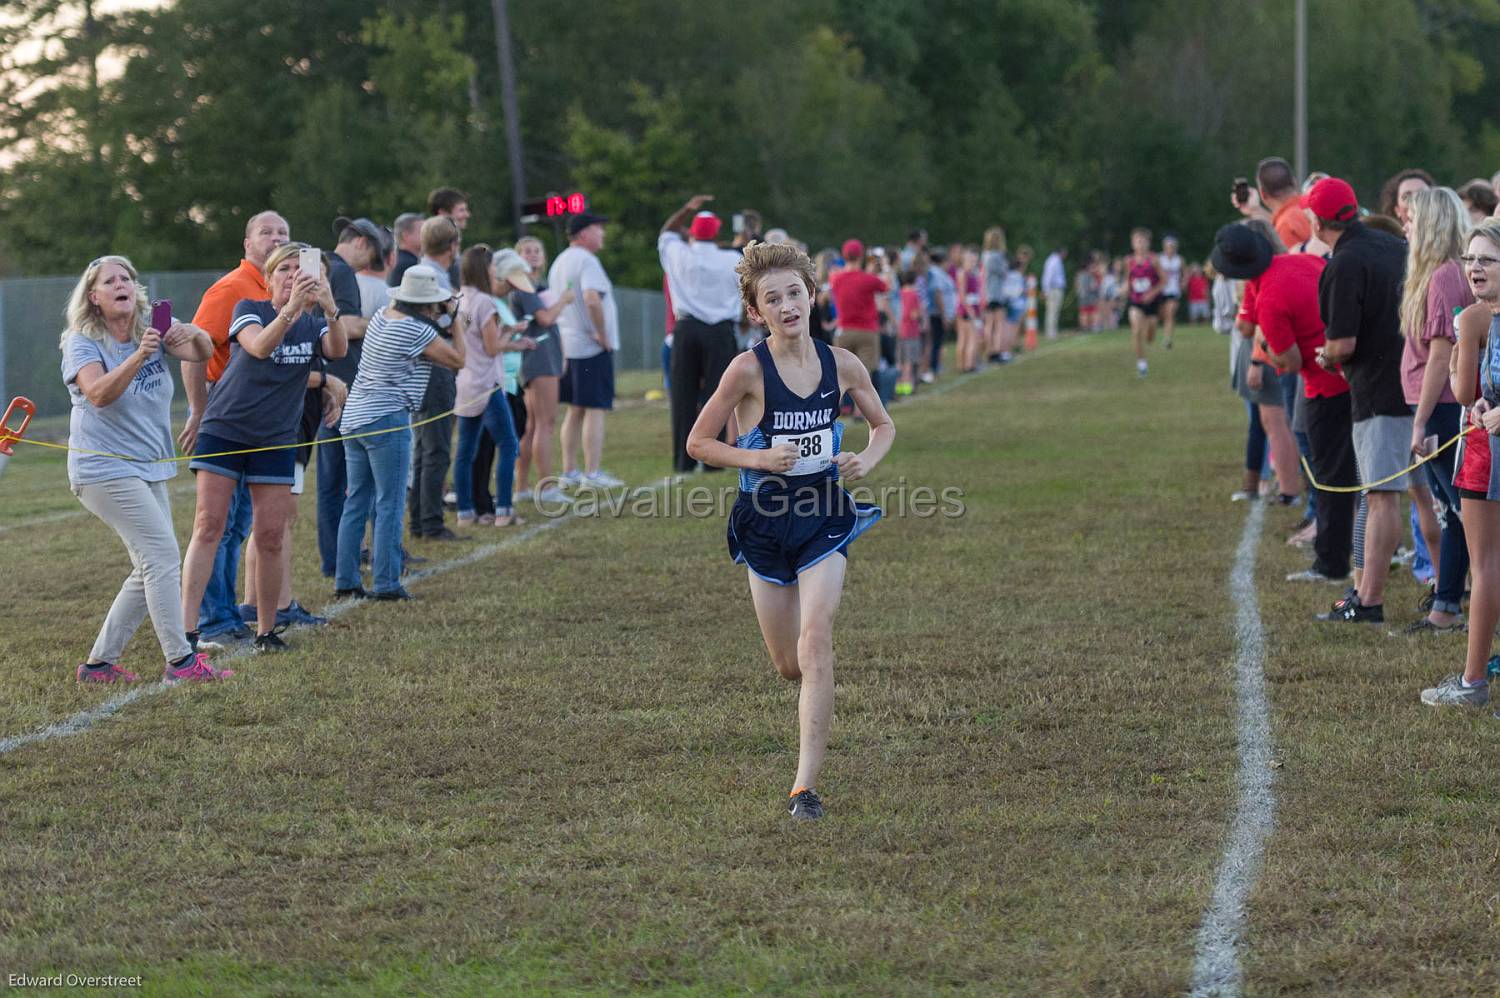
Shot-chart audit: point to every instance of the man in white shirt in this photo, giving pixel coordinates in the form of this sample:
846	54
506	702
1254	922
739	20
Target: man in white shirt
706	302
1054	284
590	334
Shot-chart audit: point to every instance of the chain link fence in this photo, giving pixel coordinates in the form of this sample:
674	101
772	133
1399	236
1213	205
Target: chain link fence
31	322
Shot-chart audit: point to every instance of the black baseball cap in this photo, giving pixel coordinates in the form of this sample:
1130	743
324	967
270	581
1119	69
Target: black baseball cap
583	220
363	226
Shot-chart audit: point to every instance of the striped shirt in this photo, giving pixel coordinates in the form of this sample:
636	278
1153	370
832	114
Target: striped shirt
392	374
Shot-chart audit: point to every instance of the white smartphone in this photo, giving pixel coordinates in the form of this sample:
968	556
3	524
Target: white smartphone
310	262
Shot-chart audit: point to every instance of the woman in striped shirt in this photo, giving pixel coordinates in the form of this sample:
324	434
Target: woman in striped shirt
420	327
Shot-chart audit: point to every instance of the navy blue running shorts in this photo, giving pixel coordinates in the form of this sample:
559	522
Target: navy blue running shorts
780	534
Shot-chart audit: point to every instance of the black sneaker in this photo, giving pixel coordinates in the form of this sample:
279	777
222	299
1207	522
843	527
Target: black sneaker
393	595
269	644
1350	610
806	806
358	592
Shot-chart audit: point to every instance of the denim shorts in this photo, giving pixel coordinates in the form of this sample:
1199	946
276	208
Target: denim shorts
261	467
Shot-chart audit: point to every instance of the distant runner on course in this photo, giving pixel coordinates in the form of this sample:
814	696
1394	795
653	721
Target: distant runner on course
793	522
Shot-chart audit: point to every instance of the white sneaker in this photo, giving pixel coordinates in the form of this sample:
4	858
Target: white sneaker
570	479
603	480
1140	368
928	377
522	495
551	496
450	498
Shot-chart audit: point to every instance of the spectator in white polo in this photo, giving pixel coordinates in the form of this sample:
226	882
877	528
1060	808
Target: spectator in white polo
590	329
706	303
1054	284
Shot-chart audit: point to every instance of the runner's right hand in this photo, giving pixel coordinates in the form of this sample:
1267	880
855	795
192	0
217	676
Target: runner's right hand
779	459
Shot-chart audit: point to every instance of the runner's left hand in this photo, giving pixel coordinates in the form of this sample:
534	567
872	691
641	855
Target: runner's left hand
851	465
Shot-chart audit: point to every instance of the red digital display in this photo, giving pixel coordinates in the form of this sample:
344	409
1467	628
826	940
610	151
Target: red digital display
556	206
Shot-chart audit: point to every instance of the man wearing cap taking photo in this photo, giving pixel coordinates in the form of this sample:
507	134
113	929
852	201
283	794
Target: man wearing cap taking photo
1359	300
706	304
590	330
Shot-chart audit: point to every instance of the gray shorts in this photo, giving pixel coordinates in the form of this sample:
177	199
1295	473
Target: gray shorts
908	351
1382	447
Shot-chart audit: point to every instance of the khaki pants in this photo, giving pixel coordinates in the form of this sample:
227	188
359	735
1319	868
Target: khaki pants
864	344
1054	311
141	514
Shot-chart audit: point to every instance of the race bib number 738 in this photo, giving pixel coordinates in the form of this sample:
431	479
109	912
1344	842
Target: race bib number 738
814	450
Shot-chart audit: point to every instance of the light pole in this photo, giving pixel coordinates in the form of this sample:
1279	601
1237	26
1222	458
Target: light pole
509	109
1299	99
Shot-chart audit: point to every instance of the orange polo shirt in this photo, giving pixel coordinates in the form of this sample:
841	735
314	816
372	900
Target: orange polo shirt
217	309
1291	224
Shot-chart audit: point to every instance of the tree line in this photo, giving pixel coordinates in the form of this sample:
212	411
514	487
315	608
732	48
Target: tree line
157	132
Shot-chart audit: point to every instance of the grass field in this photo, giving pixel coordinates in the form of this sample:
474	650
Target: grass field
563	769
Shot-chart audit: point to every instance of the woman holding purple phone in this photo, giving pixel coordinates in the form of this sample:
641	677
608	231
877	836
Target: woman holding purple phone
114	364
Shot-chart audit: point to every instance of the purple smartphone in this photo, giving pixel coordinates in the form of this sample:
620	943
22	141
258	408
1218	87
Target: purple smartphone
161	315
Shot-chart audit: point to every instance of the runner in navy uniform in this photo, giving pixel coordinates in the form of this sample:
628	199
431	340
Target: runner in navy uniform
793	521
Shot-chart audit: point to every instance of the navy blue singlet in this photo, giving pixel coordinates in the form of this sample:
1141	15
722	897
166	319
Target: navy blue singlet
784	524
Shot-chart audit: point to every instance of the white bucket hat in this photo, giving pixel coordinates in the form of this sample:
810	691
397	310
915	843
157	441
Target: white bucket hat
509	266
419	286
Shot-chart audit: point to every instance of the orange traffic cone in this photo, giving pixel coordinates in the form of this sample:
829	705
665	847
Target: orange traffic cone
1030	313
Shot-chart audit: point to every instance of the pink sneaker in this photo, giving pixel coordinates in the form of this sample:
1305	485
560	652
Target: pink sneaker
112	674
196	671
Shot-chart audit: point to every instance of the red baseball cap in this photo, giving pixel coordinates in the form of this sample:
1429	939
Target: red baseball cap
853	249
705	226
1333	200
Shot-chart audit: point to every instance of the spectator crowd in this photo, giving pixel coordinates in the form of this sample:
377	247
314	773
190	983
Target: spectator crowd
1363	344
441	387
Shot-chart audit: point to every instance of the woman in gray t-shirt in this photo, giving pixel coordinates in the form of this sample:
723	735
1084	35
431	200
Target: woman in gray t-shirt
114	364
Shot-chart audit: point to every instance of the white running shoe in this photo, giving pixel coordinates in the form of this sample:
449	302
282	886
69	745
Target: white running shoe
602	480
551	496
570	479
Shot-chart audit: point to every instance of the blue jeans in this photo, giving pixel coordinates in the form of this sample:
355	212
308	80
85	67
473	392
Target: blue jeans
1453	551
332	483
666	367
1255	442
1291	388
496	418
377	467
220	611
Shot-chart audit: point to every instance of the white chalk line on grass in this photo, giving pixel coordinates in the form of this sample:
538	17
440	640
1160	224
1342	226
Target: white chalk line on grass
86	719
1217	969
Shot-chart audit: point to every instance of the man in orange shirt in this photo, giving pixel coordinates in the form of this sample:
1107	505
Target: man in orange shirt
1279	202
220	614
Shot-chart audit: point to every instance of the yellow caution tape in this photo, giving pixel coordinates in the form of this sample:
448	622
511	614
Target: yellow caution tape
1389	478
247	450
